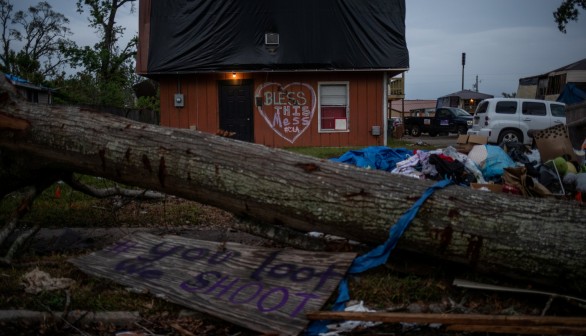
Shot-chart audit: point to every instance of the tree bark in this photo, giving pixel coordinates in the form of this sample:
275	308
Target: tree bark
539	239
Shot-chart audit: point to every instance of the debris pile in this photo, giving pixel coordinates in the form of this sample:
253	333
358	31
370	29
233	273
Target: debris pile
549	168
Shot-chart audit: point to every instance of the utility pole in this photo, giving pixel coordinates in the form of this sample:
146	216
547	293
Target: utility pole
476	85
463	63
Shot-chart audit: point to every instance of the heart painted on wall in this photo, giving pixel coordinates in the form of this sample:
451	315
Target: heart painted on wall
287	109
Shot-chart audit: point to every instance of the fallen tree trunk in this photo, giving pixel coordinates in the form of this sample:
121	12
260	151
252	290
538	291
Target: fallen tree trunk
530	238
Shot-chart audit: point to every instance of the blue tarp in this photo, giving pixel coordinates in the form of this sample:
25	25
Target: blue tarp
572	95
382	158
16	79
375	157
496	162
376	257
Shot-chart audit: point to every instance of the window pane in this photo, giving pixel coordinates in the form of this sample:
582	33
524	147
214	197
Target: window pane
482	107
333	95
506	107
558	110
333	112
333	100
531	108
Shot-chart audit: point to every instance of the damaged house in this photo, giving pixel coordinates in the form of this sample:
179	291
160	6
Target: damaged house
277	73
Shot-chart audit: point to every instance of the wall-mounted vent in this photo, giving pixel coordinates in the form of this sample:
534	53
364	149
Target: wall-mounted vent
272	39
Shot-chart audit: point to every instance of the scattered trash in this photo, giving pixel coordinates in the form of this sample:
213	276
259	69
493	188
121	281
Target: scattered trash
37	281
348	326
511	168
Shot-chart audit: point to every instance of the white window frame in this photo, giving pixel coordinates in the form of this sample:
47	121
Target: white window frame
319	106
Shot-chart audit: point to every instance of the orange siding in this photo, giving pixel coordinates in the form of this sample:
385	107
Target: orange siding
201	108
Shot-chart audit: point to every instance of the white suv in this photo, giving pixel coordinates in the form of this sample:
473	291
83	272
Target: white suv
510	119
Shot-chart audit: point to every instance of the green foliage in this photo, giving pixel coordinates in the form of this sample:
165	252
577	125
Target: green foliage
43	34
109	64
568	11
149	103
106	69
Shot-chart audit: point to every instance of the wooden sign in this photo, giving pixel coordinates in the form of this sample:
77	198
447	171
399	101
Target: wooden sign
264	289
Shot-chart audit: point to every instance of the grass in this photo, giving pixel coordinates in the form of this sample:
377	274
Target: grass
382	288
333	152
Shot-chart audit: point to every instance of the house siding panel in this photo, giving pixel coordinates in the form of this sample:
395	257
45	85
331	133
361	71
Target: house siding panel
201	110
576	76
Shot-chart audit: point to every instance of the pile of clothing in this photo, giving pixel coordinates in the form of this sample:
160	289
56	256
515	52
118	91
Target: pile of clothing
514	166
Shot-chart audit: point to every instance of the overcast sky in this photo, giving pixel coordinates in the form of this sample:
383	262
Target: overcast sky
504	40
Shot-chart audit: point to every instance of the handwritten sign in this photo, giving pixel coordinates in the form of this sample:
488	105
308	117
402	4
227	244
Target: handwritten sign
264	289
287	109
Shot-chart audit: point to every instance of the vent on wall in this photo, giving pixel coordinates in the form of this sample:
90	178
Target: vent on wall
271	39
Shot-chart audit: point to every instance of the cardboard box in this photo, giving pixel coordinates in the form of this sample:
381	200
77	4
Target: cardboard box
493	187
555	141
465	142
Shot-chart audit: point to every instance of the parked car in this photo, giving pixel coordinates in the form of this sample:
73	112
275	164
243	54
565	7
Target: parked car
445	120
510	119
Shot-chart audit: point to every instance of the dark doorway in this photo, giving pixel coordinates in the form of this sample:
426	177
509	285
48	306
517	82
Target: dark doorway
236	108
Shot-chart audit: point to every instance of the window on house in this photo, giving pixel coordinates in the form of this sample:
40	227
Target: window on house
555	84
333	107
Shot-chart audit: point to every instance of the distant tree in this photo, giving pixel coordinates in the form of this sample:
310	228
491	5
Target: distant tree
43	34
7	34
110	64
509	95
568	11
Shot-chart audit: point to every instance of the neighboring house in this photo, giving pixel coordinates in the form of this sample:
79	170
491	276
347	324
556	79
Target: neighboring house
276	72
412	108
465	99
550	85
30	92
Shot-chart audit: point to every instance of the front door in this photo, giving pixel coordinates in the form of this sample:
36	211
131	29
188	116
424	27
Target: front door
236	108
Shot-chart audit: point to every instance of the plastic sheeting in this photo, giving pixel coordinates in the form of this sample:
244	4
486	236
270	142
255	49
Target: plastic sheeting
375	157
571	94
229	35
378	256
492	160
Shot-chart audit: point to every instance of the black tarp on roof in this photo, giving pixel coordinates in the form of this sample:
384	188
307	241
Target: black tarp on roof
229	35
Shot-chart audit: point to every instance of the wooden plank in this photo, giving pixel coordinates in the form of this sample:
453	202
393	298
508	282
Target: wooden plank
520	330
478	285
265	289
462	319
